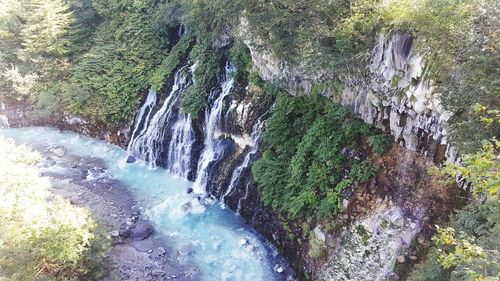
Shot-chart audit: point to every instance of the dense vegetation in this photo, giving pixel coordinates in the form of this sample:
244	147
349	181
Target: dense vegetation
96	57
468	248
313	152
42	236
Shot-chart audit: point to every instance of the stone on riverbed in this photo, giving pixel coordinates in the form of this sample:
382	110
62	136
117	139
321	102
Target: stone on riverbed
59	151
130	159
141	231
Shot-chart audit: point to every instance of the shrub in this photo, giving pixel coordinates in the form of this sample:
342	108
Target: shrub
42	235
301	171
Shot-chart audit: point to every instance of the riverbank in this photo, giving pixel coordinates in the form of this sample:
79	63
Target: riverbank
138	251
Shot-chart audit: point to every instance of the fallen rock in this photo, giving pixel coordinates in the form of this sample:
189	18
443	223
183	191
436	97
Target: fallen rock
162	251
125	233
141	231
243	242
320	235
131	159
189	190
401	259
59	151
114	233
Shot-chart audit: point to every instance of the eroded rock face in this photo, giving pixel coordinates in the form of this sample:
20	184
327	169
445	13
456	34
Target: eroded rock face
370	246
391	93
394	95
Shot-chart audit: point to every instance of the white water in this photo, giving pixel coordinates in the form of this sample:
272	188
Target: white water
147	109
179	149
211	240
149	144
212	148
247	161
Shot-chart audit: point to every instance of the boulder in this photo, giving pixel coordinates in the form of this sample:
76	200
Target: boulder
125	233
320	235
130	159
59	151
141	231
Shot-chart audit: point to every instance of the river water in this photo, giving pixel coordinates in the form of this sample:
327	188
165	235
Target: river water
213	239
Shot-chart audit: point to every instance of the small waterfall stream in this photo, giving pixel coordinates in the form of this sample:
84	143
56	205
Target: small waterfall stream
181	144
212	147
248	160
167	137
142	120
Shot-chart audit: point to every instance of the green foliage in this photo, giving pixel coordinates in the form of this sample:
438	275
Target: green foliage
301	170
240	57
106	84
468	247
481	169
430	270
193	100
380	143
211	18
171	62
35	36
43	237
205	76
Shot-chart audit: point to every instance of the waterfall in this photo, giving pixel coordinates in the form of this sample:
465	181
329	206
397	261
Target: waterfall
179	149
238	208
167	137
212	147
141	122
248	160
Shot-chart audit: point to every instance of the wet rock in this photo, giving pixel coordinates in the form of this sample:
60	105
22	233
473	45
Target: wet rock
125	233
189	190
142	230
162	251
59	151
131	159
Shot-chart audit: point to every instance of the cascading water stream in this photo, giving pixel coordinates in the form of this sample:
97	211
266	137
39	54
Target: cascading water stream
212	147
167	129
142	121
181	144
248	160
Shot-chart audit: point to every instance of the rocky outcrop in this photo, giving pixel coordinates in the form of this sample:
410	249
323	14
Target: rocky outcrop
395	96
391	93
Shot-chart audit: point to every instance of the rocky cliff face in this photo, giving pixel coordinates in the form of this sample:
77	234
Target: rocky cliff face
388	221
391	93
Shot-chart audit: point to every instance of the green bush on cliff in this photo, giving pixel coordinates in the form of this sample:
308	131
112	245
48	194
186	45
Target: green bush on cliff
468	247
303	171
205	76
43	237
